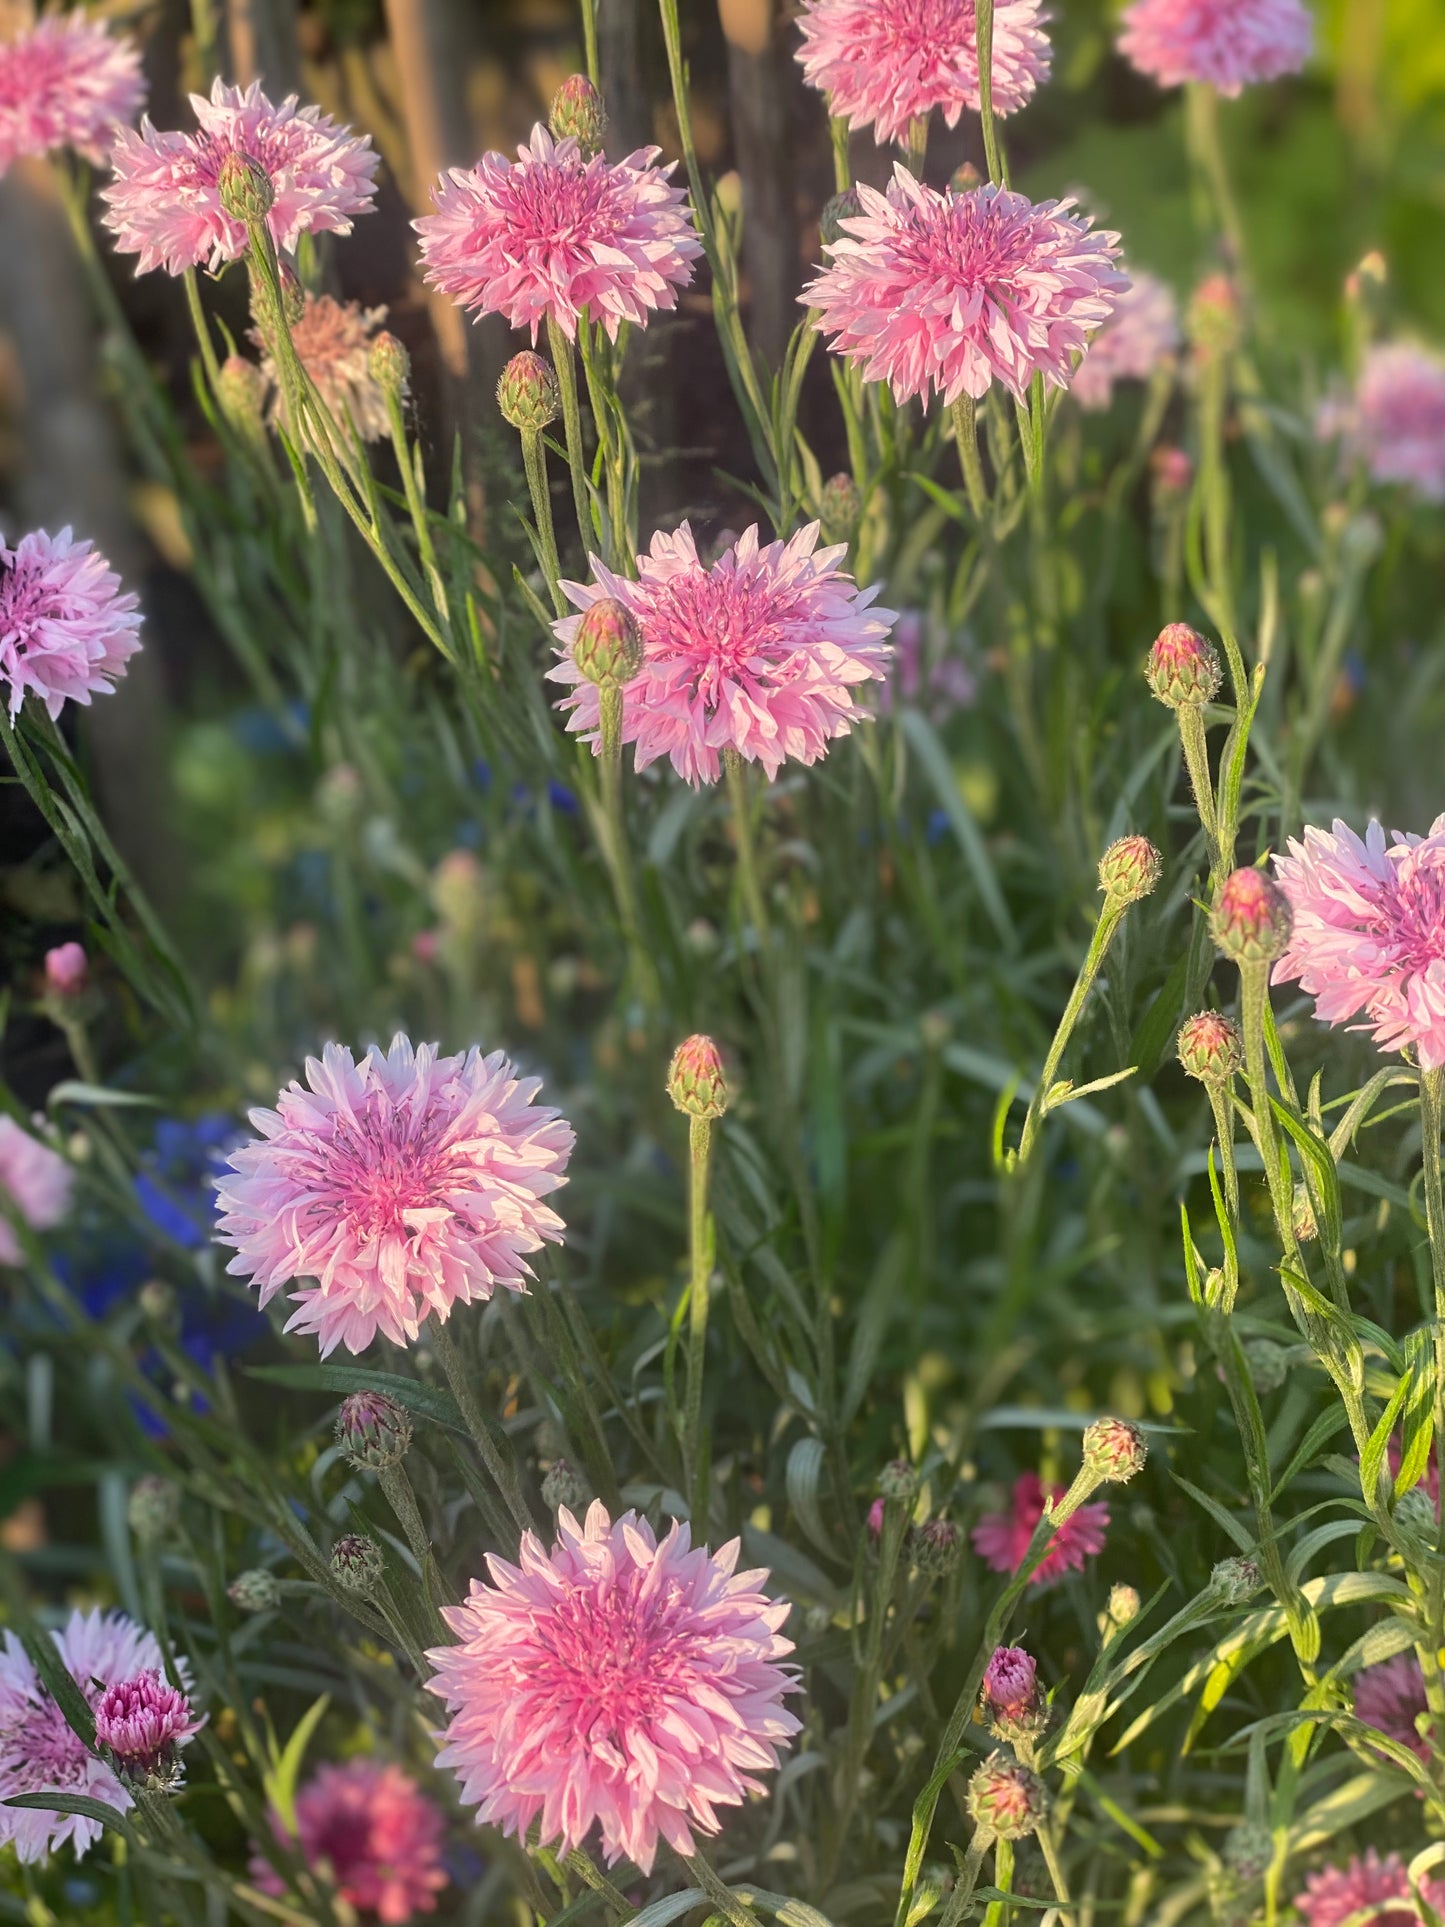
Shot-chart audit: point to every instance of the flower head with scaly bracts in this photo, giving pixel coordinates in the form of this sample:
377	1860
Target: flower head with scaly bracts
1368	940
333	339
1002	1538
165	200
552	235
368	1831
761	653
34	1180
40	1754
143	1721
66	82
1369	1887
1229	44
1140	336
1395	421
1390	1697
396	1187
883	63
615	1681
948	293
66	632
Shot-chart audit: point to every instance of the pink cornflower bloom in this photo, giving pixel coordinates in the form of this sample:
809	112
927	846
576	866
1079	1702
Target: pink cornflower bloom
949	293
333	340
1141	335
1002	1538
66	633
66	82
396	1187
165	201
34	1180
1395	421
38	1751
1369	932
368	1829
553	235
1368	1886
940	684
1390	1696
66	969
143	1721
1010	1682
761	653
883	63
1229	44
614	1680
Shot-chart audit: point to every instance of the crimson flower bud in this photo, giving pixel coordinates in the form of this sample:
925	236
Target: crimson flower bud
1114	1449
1210	1047
1183	667
696	1082
1251	920
1006	1799
607	647
527	393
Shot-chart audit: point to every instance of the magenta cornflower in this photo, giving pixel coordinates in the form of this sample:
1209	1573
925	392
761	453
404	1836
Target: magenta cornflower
66	82
66	970
1002	1538
367	1829
1390	1697
38	1751
948	293
617	1681
883	63
34	1181
66	631
1367	1886
143	1721
1010	1683
394	1188
555	236
1395	421
1230	44
165	201
761	653
1369	932
333	340
1140	336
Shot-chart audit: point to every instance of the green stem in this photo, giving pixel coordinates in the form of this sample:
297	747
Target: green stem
202	328
1432	1092
917	145
616	851
1003	1877
965	433
983	28
1196	761
1049	1848
842	172
534	460
1222	1106
961	1897
699	1137
717	1890
502	1467
737	782
1110	917
1202	128
589	42
566	366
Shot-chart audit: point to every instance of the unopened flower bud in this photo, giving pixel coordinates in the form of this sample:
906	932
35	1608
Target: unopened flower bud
965	178
1183	667
875	1520
66	970
841	507
357	1563
157	1301
842	207
155	1506
1130	869
564	1487
1251	920
1173	472
578	114
1114	1449
254	1591
373	1430
607	647
1234	1580
1266	1363
527	393
1248	1851
695	1080
1210	1047
293	295
241	391
1007	1800
898	1480
388	363
1214	320
1012	1700
937	1548
245	189
1122	1608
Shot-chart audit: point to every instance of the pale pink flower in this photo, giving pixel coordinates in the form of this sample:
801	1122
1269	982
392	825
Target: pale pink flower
66	82
1140	335
949	293
143	1721
553	234
1002	1538
936	680
1395	421
1377	1890
333	340
34	1180
1229	44
1390	1696
165	202
883	63
38	1751
66	633
66	969
396	1187
1369	932
614	1680
761	653
370	1832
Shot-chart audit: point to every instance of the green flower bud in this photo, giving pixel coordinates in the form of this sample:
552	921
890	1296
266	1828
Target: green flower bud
696	1082
1130	869
527	393
578	114
607	647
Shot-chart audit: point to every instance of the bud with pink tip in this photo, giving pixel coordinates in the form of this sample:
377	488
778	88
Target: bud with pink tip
1251	920
66	970
1173	472
578	114
245	189
142	1722
1183	667
527	393
1210	1047
937	1547
875	1518
1130	869
1114	1449
1013	1701
841	508
1214	320
607	647
696	1082
1006	1799
373	1430
388	363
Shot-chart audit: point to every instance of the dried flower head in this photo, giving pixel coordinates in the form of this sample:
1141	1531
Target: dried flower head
1251	918
1211	1047
696	1080
1183	667
66	631
1226	44
1141	335
1006	1799
334	340
1001	1539
372	1836
1129	869
66	82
